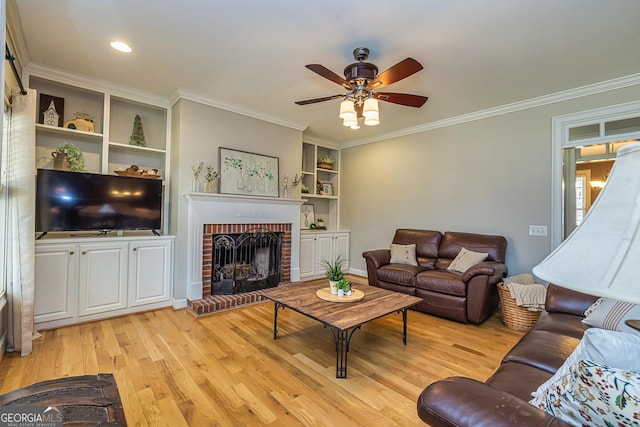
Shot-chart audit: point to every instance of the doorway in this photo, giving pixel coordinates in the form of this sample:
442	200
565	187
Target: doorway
580	142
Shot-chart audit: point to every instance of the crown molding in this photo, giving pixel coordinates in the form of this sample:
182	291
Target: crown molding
182	93
73	79
579	92
325	143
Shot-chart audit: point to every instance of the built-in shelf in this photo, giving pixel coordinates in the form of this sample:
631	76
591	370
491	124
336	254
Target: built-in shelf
113	110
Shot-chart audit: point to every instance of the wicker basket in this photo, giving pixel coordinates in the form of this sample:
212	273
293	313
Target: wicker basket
513	316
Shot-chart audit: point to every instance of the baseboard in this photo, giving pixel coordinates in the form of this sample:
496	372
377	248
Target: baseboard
357	272
178	304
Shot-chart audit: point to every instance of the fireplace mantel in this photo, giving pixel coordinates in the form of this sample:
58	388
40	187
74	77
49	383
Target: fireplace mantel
208	208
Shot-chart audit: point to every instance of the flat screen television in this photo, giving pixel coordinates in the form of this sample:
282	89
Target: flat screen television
78	201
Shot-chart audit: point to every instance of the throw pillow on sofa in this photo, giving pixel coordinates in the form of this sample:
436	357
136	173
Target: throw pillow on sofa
611	348
466	259
403	254
593	394
607	313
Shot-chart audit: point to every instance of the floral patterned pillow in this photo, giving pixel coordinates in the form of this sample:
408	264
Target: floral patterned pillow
593	394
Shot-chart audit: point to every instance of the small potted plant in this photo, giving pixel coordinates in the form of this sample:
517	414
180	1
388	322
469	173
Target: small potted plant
344	287
325	162
333	272
210	177
68	157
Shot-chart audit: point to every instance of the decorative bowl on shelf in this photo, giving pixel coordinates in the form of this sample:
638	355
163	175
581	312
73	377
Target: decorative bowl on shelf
136	172
322	165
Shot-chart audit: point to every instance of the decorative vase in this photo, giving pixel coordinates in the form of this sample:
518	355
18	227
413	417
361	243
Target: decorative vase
296	194
332	286
195	185
340	292
348	293
211	186
60	161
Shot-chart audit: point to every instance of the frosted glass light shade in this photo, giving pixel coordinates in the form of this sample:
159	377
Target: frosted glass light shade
347	110
350	122
602	255
370	108
372	121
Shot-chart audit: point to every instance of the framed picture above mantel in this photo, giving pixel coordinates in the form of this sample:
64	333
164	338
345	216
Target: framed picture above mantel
247	173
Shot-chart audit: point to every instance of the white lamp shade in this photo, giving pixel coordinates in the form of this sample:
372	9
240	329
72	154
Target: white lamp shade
371	121
602	255
347	110
350	122
370	108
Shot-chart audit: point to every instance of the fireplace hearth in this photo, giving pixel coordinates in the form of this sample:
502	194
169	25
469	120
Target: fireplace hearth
245	262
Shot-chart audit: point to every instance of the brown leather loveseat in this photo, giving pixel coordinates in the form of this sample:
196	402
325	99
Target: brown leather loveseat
503	399
470	296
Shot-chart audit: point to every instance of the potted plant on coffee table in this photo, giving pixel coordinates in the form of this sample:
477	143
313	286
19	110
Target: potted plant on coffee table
333	272
344	287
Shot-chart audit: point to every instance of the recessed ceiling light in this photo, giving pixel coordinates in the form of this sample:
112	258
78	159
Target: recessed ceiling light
122	47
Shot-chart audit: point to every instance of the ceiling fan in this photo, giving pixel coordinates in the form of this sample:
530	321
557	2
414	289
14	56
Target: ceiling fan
362	80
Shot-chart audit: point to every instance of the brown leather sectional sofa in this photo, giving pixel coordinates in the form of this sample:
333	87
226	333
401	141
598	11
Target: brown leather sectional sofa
471	296
503	399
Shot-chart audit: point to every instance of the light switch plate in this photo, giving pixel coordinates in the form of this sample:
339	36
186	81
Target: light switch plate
538	230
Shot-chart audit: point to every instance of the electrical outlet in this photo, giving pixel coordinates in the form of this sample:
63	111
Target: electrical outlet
538	230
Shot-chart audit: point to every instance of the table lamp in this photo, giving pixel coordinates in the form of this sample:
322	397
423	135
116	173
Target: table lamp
602	255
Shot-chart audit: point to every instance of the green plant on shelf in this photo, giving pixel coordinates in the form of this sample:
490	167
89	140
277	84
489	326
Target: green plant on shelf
74	156
325	159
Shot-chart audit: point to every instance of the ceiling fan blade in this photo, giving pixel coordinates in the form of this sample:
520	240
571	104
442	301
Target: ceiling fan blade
329	75
396	73
313	101
407	99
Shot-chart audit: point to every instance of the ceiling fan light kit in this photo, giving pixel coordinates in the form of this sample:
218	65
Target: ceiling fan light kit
361	78
347	110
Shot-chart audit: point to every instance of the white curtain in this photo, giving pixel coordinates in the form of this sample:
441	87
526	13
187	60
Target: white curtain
20	168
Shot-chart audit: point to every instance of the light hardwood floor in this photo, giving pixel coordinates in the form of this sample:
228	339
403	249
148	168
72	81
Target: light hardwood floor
225	369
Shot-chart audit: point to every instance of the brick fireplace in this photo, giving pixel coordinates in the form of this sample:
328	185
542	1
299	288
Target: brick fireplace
210	214
211	230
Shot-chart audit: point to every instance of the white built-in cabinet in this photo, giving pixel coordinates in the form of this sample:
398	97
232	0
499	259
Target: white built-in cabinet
323	185
319	246
88	278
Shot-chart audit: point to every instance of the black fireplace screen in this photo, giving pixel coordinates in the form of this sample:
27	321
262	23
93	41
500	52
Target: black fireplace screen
246	262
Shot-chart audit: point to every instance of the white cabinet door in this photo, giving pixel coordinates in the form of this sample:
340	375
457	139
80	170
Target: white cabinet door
315	248
149	272
308	259
102	283
324	251
55	282
341	247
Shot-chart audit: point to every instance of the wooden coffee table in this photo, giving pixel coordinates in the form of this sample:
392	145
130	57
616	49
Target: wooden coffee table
342	319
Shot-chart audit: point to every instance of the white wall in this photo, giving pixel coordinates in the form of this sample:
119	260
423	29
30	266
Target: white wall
198	131
488	176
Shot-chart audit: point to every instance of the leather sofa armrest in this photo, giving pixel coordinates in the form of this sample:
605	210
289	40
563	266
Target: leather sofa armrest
563	300
495	270
378	257
460	402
